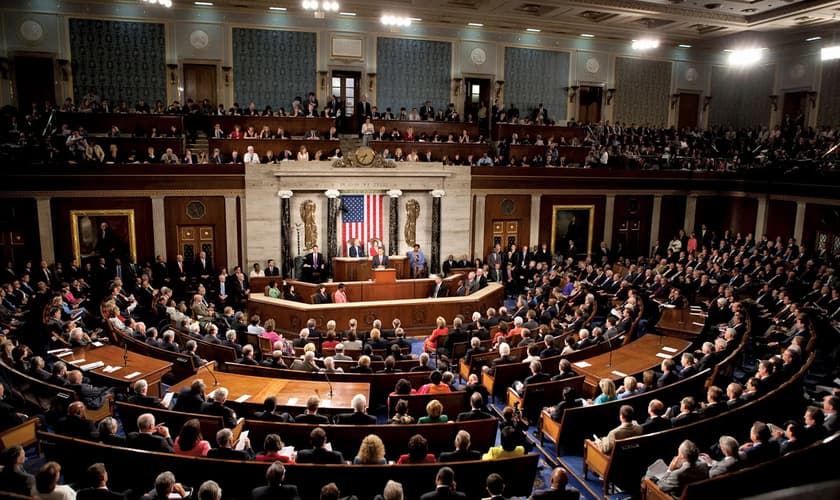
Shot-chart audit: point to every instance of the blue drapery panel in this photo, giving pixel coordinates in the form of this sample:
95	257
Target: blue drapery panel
739	96
643	91
124	61
409	72
272	67
829	112
537	76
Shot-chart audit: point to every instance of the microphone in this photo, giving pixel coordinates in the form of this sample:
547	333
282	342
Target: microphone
327	377
206	366
125	355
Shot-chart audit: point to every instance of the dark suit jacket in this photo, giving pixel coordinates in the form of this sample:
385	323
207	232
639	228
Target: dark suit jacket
275	271
459	456
376	261
356	252
150	442
140	400
355	418
279	492
319	456
655	424
214	408
443	292
231	454
442	492
306	418
99	494
552	494
473	415
308	260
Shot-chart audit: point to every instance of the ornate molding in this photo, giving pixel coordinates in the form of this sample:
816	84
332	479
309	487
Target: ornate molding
394	193
332	193
438	193
285	194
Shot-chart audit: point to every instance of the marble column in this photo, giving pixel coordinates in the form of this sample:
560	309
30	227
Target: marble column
437	194
478	221
45	229
609	213
231	232
286	232
394	222
655	215
535	221
159	225
799	224
690	213
760	219
333	202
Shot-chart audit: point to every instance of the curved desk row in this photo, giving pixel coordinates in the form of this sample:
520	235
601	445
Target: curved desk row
414	312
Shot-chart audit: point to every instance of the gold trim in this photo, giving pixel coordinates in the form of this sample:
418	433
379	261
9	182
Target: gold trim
555	208
74	229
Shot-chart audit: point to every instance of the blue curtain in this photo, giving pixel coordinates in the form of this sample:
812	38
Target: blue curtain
649	84
122	60
829	113
739	96
272	67
537	76
410	72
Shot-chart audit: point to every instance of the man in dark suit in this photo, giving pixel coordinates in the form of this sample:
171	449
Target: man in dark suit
358	417
150	437
439	289
178	276
271	269
669	374
44	274
356	249
318	454
380	259
313	265
427	111
445	486
656	421
92	397
98	479
76	423
760	448
141	396
217	407
13	477
190	400
224	438
558	490
476	413
311	416
462	451
275	490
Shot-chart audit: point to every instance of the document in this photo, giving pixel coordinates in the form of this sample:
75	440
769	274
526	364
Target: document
243	398
92	366
132	375
240	444
669	349
167	399
618	373
292	401
583	364
663	355
64	353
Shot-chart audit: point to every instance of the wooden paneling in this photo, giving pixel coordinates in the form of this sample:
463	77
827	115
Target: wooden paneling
631	224
572	154
143	224
292	126
214	216
19	231
506	131
438	149
128	123
722	212
547	202
781	217
820	218
506	207
688	107
671	218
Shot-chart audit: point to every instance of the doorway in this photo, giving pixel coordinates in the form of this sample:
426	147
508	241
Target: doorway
689	106
346	85
35	81
476	93
794	108
505	232
200	83
590	99
195	239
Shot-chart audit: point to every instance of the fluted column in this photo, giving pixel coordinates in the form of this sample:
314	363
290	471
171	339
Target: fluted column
286	232
45	229
437	194
394	222
333	202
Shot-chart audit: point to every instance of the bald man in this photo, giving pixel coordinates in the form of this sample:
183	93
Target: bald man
559	489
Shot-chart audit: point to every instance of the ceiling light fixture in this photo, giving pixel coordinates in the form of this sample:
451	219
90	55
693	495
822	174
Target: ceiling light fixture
320	8
745	57
684	46
204	4
813	39
162	3
645	44
533	30
415	19
587	35
280	9
350	14
389	20
475	25
830	53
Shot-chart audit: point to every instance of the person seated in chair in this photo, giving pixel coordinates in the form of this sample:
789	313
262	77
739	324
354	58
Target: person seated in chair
150	437
141	396
359	415
225	449
318	454
216	406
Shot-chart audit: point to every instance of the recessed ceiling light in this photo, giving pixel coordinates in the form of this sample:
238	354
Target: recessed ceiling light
813	39
587	35
684	46
277	8
533	30
476	25
645	44
830	53
204	4
415	19
351	14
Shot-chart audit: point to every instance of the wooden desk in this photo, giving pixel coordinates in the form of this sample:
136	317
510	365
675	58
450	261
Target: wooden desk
291	394
680	323
359	268
506	131
413	312
290	125
573	154
385	276
428	127
151	369
631	359
277	146
128	123
438	149
360	291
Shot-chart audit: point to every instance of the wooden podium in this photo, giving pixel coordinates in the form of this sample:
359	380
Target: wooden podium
387	275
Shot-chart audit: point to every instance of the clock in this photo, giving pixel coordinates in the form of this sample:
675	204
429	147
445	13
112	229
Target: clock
478	56
365	155
31	30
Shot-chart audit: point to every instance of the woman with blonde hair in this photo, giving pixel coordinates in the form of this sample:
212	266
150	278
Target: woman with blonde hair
431	343
434	414
371	451
607	387
630	388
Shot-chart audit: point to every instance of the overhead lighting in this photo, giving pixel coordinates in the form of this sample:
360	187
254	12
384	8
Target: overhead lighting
325	6
533	30
645	44
389	20
813	39
684	46
281	9
350	14
587	35
829	53
475	25
204	4
162	3
745	57
415	19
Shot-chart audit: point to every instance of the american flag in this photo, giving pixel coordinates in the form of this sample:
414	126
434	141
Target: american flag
362	218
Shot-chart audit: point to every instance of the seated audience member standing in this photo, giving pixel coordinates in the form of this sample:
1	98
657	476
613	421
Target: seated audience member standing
418	451
319	454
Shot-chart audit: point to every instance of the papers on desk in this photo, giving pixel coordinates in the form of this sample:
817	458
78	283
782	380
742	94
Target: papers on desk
243	398
657	469
167	399
240	444
97	344
92	366
288	451
64	353
292	401
111	369
132	375
663	355
697	324
618	373
669	306
61	349
702	314
76	361
669	349
583	364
